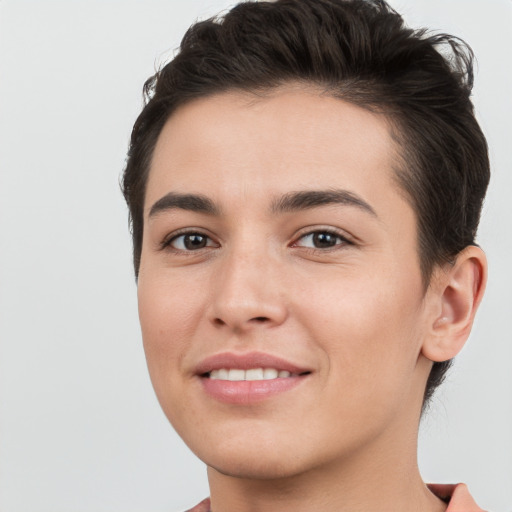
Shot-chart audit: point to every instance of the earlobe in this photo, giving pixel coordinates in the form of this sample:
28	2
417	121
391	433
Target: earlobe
456	294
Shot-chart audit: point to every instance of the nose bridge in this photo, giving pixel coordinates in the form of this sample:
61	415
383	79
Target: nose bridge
247	287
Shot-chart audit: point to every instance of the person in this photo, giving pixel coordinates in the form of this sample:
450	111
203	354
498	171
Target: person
304	185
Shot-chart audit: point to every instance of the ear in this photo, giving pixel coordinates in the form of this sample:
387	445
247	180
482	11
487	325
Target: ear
454	296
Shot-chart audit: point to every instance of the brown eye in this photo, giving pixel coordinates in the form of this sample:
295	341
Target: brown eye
321	240
191	242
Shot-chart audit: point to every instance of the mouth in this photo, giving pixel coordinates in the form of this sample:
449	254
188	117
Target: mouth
252	374
247	378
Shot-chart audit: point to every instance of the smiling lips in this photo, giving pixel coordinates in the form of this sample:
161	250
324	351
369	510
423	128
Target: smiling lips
247	378
237	374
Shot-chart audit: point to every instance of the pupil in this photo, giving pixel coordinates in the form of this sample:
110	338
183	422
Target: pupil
195	242
322	240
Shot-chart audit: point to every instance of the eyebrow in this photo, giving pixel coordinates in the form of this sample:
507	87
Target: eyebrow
190	202
289	202
303	200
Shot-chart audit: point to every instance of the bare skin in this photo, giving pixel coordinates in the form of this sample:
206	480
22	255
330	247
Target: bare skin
235	260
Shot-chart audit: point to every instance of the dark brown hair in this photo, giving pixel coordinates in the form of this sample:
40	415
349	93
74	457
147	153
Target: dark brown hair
359	51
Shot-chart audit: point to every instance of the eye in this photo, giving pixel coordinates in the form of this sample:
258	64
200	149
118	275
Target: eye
321	240
191	242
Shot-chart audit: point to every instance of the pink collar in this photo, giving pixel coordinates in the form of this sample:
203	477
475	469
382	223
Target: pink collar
456	495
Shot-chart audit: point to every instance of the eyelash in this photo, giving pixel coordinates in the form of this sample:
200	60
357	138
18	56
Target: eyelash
341	239
167	242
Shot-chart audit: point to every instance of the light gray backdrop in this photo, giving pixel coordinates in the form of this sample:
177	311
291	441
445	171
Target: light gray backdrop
80	429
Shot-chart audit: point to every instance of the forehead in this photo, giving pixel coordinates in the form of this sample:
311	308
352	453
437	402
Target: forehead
242	144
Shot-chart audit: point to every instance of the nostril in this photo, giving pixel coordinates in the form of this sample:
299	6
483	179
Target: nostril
239	323
260	319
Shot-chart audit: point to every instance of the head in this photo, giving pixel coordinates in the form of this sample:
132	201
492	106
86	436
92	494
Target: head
357	52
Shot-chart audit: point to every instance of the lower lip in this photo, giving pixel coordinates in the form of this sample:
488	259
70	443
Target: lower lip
246	392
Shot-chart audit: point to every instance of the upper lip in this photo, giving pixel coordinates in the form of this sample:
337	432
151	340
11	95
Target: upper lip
246	361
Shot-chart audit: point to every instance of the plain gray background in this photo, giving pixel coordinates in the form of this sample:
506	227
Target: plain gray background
80	428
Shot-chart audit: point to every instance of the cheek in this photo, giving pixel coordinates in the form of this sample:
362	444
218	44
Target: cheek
168	312
369	327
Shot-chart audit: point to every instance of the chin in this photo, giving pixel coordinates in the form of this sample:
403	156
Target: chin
260	457
253	467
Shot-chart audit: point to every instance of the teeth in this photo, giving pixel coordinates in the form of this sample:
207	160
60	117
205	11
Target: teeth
222	374
270	373
236	374
215	374
254	374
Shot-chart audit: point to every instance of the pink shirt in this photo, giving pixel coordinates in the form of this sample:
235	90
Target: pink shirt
457	496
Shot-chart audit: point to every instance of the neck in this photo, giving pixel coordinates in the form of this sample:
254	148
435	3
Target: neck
376	484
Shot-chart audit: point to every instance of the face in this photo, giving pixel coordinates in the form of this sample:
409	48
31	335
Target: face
280	292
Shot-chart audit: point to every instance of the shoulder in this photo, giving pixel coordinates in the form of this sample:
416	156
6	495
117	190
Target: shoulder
457	496
204	506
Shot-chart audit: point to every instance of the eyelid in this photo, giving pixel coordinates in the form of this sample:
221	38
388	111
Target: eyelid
311	230
346	238
165	244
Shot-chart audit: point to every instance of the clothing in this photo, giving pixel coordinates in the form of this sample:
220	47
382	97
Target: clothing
457	496
204	506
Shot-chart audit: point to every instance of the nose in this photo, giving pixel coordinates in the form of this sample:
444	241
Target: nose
247	292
